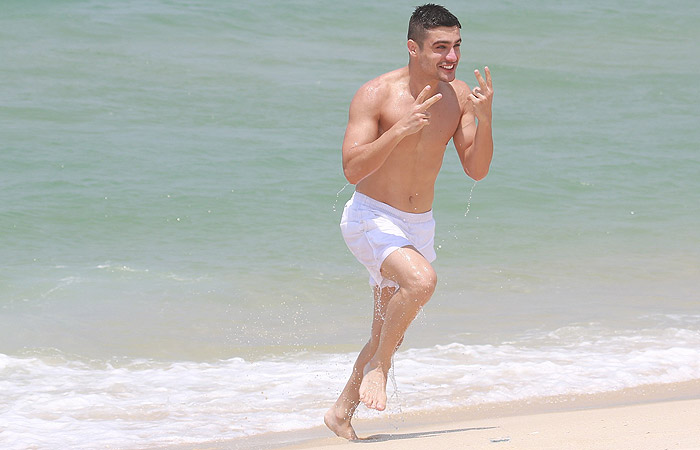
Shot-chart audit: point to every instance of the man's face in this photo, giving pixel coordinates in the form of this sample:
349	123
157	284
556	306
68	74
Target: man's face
439	54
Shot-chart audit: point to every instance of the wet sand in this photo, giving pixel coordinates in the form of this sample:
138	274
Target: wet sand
648	417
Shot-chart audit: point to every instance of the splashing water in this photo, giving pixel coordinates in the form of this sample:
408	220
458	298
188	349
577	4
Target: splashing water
395	397
469	201
337	197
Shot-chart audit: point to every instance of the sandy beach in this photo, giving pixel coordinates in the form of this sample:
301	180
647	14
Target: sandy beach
649	426
649	417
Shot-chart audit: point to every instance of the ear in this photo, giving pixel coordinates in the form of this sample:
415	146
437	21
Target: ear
412	47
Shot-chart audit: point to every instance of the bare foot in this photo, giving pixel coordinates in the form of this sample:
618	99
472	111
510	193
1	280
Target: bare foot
339	424
373	389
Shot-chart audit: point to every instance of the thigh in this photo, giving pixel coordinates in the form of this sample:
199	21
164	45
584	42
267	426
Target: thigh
407	266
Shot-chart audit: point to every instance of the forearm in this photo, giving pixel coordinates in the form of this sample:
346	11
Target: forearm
359	161
478	157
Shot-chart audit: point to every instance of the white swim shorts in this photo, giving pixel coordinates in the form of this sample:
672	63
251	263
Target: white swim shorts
373	230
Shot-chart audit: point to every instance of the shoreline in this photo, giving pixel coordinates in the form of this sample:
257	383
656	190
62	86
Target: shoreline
648	416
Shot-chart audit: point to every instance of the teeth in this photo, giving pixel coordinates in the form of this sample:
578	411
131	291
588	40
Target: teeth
450	67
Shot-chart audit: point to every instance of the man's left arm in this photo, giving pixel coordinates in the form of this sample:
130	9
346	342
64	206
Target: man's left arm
473	138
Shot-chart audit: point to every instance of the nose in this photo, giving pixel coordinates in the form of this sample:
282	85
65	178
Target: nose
452	56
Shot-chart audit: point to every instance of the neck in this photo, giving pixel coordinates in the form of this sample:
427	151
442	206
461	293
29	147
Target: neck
417	80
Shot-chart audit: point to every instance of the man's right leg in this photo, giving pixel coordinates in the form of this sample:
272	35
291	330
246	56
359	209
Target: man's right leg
338	417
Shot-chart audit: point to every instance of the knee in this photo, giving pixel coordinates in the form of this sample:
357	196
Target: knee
421	284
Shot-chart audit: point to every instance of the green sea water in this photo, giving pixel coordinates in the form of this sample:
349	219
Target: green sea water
158	153
171	183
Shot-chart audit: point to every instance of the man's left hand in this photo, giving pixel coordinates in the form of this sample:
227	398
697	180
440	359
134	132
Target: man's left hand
481	97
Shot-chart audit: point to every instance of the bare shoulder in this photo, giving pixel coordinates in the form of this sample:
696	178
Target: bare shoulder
377	90
462	91
460	87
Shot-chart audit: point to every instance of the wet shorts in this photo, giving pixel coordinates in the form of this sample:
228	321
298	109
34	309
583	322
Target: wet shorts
373	230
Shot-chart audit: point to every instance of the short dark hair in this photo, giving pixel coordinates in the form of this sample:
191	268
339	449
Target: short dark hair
427	17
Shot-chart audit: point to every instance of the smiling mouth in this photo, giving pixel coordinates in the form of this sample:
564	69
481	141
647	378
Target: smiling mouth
448	66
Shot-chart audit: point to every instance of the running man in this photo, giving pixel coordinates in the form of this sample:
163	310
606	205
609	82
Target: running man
398	128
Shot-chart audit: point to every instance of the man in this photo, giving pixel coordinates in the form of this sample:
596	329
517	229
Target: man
398	128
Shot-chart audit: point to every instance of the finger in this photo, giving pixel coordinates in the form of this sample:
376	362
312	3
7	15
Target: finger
480	79
430	102
423	95
488	77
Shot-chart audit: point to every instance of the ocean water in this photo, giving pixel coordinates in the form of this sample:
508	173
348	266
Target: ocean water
170	189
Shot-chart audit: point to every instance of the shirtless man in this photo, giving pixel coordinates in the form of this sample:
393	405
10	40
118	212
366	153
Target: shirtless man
399	126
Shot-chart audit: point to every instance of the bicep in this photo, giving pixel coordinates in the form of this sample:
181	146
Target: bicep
363	123
463	138
464	135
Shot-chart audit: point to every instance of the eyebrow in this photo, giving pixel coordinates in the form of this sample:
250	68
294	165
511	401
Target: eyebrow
459	41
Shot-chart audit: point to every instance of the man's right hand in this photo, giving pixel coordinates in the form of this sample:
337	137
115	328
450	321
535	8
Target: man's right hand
419	116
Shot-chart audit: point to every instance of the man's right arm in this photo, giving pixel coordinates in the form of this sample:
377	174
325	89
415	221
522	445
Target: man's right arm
364	148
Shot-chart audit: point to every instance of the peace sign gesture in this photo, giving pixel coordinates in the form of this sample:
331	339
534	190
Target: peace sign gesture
418	116
481	97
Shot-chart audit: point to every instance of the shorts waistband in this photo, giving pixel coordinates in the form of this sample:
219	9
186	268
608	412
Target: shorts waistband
364	200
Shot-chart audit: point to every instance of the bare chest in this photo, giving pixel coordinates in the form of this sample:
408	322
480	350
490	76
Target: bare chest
444	119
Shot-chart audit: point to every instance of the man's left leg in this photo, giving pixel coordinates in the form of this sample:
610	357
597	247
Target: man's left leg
417	281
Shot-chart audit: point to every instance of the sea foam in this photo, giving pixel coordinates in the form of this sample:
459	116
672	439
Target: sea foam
51	400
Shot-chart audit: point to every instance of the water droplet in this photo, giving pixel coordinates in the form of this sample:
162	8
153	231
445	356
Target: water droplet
337	196
469	201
